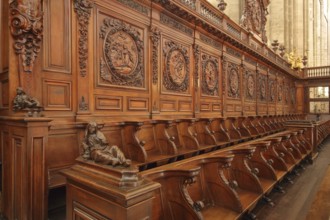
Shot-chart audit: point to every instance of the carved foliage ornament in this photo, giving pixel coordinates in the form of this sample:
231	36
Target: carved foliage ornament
123	51
176	69
233	81
26	29
196	56
254	17
83	11
250	85
155	37
262	88
210	72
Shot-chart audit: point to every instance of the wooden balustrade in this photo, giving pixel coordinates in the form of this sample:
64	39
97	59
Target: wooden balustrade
317	72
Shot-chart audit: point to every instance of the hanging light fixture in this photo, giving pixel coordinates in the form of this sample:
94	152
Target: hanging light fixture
222	5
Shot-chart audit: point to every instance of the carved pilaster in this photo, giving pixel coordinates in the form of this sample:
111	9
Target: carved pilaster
155	37
26	29
83	11
196	57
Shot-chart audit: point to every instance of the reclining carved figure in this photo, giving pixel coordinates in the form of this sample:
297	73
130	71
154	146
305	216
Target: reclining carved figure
97	148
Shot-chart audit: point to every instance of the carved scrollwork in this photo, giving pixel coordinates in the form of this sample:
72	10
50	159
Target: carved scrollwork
198	205
262	88
155	37
210	73
233	81
250	85
254	17
26	29
123	51
83	11
272	91
196	56
176	72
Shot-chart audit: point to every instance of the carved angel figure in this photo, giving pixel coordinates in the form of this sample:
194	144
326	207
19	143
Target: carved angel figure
97	148
24	101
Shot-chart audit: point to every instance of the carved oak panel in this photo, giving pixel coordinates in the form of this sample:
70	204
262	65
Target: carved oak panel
176	67
57	95
250	85
210	75
262	87
272	90
233	82
121	52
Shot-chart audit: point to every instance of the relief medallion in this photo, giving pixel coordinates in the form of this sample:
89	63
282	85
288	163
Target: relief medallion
210	75
250	86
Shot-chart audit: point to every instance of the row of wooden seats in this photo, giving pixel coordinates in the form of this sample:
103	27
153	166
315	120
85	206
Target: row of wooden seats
227	183
157	142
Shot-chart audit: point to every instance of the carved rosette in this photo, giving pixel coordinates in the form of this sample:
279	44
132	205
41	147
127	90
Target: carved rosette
196	56
83	11
250	85
155	37
233	88
272	92
210	75
262	93
176	70
26	29
123	51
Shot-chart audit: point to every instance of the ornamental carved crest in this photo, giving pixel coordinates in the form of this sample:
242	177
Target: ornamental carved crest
176	69
233	81
250	85
210	75
254	17
262	88
271	90
122	61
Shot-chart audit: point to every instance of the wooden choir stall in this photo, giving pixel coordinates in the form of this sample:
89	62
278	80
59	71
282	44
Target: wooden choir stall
145	109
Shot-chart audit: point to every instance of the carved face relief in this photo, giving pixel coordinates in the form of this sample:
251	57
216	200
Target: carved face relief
177	67
121	53
250	86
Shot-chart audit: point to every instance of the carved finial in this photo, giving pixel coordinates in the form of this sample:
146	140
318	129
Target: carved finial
96	147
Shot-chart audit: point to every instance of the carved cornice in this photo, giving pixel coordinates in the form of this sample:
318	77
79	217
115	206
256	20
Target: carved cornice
83	11
175	24
136	6
26	29
210	41
155	37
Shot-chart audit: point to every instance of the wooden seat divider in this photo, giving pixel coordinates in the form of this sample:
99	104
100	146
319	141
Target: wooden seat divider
221	136
241	127
192	190
235	136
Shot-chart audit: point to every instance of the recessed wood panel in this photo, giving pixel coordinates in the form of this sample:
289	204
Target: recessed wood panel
109	103
137	104
230	108
205	106
57	36
238	108
57	95
216	107
167	105
62	150
4	88
185	106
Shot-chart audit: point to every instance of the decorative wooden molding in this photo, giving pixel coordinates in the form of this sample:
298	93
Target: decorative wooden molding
210	75
155	37
26	29
250	85
176	71
123	52
175	24
272	90
83	11
196	56
262	90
